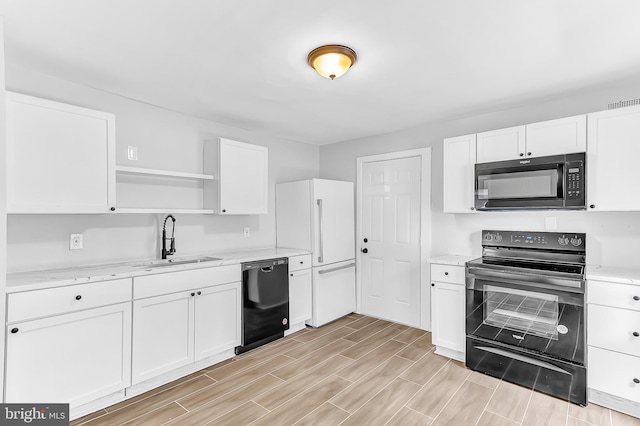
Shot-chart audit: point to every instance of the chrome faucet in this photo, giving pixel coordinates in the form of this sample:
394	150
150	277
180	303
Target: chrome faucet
172	247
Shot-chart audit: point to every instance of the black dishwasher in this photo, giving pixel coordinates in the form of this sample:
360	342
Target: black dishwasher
265	302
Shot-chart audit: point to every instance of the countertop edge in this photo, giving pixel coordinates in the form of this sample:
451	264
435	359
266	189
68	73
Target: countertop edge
43	279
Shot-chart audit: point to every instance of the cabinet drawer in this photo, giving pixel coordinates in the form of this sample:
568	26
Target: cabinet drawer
172	282
299	262
614	373
54	301
447	274
613	328
613	294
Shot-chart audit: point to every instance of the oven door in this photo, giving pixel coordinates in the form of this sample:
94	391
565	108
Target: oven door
534	312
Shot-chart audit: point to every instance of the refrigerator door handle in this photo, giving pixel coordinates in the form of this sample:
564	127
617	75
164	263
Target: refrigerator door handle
326	271
320	251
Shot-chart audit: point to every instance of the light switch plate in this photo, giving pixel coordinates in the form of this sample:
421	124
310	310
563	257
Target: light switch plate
132	153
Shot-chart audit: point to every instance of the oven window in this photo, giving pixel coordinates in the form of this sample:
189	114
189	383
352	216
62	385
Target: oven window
531	184
521	311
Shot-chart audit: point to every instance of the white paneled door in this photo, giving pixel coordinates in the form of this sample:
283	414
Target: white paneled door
390	239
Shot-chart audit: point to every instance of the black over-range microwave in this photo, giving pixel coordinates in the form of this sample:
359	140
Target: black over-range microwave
554	182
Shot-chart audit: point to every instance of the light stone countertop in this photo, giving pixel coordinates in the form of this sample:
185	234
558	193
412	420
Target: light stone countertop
451	259
37	280
620	275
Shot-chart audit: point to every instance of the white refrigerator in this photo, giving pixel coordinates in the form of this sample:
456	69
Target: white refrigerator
318	215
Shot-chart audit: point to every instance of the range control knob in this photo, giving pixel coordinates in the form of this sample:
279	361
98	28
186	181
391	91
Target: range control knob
488	237
575	241
563	241
498	237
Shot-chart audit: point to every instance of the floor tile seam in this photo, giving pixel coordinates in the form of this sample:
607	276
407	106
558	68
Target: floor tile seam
146	413
432	376
326	334
306	371
435	418
312	411
153	394
367	337
371	350
315	350
488	401
582	421
252	365
527	406
202	406
315	384
411	409
256	366
499	415
229	391
380	390
359	359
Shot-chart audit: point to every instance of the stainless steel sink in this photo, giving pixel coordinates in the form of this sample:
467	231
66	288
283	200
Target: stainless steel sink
169	262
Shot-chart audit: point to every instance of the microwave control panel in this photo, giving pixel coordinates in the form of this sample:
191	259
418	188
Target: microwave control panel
574	180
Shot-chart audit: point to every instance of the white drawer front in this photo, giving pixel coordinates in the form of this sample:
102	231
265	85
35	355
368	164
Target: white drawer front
613	372
613	294
172	282
299	262
613	328
59	300
447	274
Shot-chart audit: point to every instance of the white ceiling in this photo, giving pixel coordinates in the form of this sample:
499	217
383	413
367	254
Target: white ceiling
243	62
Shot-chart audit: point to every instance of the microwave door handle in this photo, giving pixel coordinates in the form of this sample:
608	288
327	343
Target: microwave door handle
561	183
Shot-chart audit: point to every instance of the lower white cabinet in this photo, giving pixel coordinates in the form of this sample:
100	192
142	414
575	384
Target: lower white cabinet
448	310
174	330
613	339
72	358
299	292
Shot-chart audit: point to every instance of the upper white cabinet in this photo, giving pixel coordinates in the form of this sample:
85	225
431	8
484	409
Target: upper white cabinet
612	153
501	144
553	137
242	177
61	157
459	159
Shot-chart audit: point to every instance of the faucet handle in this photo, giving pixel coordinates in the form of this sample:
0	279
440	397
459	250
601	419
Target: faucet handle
172	248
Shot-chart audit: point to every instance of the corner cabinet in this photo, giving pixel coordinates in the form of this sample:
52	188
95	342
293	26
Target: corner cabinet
612	153
448	310
61	157
242	174
54	353
459	159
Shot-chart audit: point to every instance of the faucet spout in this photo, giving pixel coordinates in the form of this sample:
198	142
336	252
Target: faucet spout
172	247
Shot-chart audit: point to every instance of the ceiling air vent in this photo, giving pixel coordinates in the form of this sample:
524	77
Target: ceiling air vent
622	104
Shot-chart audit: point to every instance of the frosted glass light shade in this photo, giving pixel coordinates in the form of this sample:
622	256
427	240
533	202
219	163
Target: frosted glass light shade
332	60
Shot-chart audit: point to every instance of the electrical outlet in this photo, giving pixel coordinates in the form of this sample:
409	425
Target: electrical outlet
132	153
247	232
75	241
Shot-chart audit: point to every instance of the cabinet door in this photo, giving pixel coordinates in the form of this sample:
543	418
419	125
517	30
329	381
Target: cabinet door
447	315
61	157
243	178
553	137
217	319
299	296
612	153
501	144
74	358
459	174
162	334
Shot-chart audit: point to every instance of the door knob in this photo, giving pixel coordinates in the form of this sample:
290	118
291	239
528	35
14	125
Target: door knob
366	240
365	251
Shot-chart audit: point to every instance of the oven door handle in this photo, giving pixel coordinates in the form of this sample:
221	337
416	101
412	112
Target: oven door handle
527	280
523	358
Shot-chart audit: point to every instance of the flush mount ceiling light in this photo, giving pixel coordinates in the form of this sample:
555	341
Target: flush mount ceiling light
331	60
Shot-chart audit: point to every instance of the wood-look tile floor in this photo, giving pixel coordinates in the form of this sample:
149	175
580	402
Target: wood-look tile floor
356	371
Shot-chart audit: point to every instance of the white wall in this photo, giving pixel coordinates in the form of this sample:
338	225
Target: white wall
165	140
612	238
